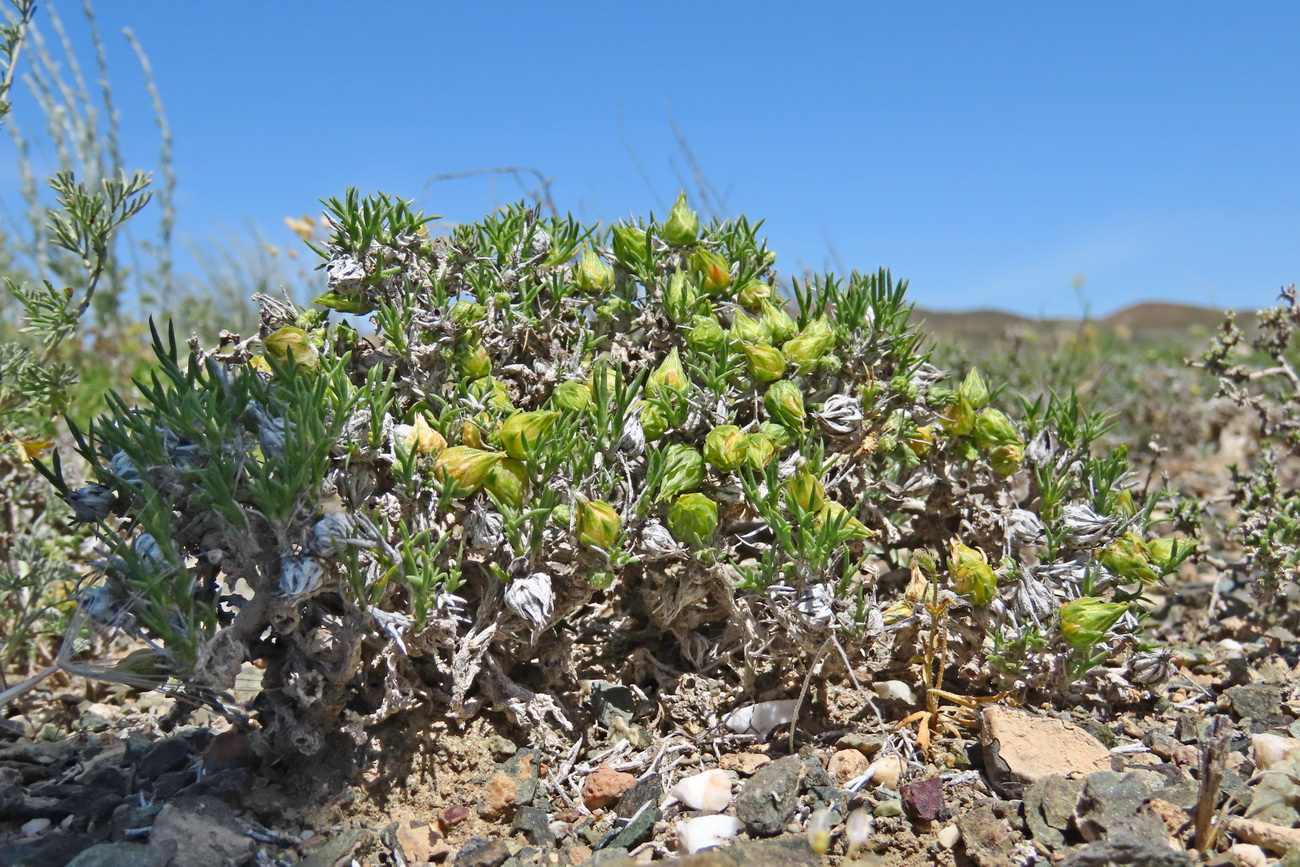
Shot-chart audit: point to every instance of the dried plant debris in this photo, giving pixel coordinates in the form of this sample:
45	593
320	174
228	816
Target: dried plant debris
556	452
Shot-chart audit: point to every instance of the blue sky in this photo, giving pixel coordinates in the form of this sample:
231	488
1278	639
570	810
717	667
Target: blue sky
987	152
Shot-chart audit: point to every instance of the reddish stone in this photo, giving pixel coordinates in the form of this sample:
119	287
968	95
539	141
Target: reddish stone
604	786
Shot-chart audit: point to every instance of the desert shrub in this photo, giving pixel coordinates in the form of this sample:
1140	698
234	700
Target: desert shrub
562	446
1256	371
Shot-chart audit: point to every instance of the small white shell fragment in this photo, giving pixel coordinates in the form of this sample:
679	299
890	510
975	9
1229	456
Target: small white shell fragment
705	832
1271	749
760	718
948	836
895	690
886	771
709	791
35	826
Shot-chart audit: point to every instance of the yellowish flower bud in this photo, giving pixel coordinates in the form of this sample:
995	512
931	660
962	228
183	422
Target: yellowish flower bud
850	527
462	470
993	428
1086	620
759	451
467	313
290	341
804	489
508	482
572	397
683	225
972	576
630	247
692	519
807	347
784	404
680	297
424	438
973	390
776	324
684	471
763	363
598	524
670	376
746	329
724	447
715	274
523	433
1128	557
1006	460
753	294
593	274
654	423
707	336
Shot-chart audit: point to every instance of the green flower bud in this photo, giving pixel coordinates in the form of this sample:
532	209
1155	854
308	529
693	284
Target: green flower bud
472	358
572	397
804	488
560	516
462	470
1006	460
491	392
763	363
692	519
784	404
356	304
680	297
669	377
467	313
287	341
683	225
958	419
503	298
707	336
972	576
1168	554
973	390
724	447
1124	505
850	527
809	345
780	434
683	471
1086	620
654	422
423	438
714	273
630	247
1129	558
593	275
993	428
753	295
598	524
920	441
777	325
746	329
508	482
759	451
522	433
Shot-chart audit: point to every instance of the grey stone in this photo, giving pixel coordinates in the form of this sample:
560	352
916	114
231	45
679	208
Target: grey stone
1127	849
790	850
833	799
478	852
1261	702
612	855
814	775
337	850
1109	806
650	789
638	830
200	830
609	700
522	768
1190	728
500	746
1276	797
168	754
55	850
1049	808
119	855
532	821
768	799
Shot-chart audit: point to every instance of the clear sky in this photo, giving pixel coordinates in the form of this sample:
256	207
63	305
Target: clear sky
988	152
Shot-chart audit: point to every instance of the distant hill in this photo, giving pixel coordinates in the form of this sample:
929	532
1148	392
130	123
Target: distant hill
1149	320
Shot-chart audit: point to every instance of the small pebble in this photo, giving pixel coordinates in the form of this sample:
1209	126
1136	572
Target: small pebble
948	836
35	826
888	809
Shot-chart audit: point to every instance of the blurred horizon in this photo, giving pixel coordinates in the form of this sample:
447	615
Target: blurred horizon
1044	161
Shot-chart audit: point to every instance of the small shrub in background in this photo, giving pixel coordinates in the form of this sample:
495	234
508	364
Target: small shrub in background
564	447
